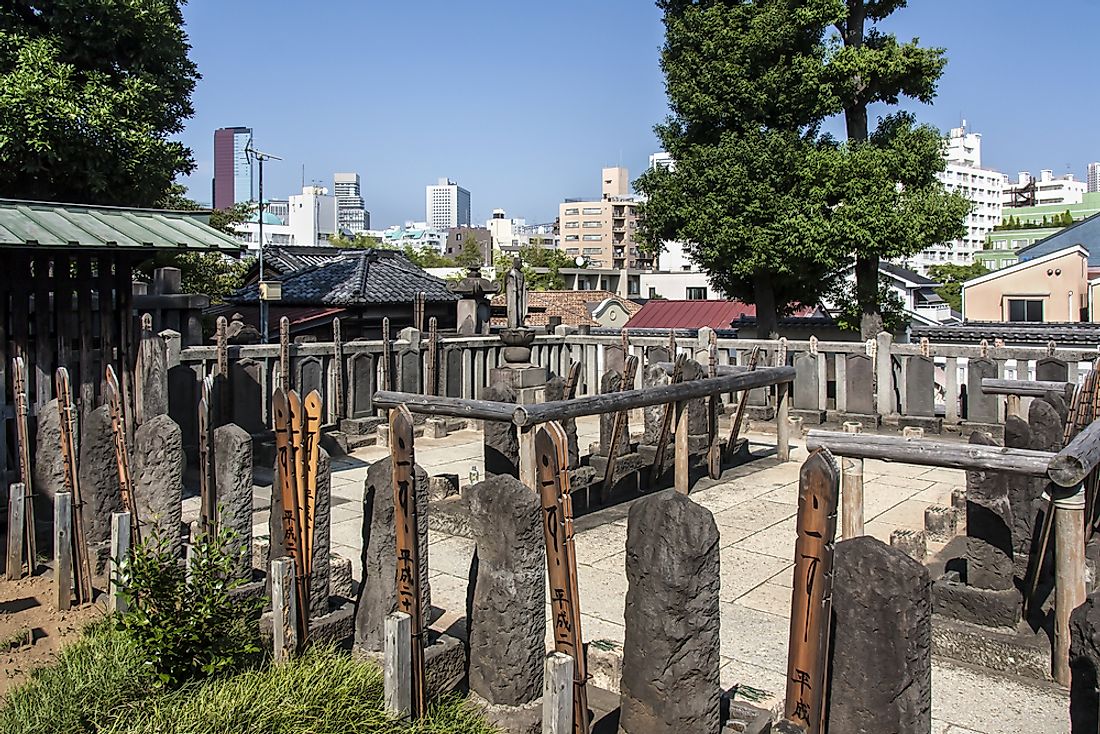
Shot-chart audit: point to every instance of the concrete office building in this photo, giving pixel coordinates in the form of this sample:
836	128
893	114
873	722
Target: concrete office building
602	231
1092	182
310	220
447	205
1028	191
984	187
351	214
233	175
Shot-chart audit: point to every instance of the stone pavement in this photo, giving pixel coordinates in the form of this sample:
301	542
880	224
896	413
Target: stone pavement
754	507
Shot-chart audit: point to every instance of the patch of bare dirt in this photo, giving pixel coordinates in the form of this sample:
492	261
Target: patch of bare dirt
32	631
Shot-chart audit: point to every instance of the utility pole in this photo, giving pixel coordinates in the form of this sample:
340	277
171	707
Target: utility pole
268	291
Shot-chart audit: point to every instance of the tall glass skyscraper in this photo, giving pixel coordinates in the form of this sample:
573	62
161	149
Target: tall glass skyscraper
233	177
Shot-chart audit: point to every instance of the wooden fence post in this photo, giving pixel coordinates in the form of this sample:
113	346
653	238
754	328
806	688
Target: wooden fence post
1069	575
557	694
783	421
63	550
284	609
120	551
398	665
682	457
851	495
17	502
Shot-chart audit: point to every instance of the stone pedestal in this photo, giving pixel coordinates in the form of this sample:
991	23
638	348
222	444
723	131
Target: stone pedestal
528	382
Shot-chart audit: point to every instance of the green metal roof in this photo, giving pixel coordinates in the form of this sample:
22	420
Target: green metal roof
40	224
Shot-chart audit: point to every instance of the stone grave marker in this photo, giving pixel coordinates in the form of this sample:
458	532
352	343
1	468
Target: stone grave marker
555	390
980	408
859	376
501	440
610	383
1051	369
233	479
98	474
49	466
157	458
246	388
361	381
1022	491
988	527
806	385
920	383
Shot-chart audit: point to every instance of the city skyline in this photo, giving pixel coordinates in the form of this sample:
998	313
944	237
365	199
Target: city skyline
511	128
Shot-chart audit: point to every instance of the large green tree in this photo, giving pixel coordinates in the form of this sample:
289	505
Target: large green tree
91	92
748	87
867	67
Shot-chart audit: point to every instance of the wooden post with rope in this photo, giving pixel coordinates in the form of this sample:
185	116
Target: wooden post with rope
23	451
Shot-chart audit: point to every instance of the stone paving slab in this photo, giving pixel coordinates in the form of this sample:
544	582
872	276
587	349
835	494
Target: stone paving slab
754	507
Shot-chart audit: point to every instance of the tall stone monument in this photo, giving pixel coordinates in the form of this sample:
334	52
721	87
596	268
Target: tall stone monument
473	308
528	380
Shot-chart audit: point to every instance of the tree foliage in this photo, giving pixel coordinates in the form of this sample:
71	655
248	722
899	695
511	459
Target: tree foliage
548	261
951	277
470	255
91	93
848	314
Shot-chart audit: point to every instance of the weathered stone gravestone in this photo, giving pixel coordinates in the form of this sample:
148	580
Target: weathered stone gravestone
980	408
1051	369
157	458
501	440
697	408
378	592
152	377
1022	491
1084	666
409	369
881	673
507	600
233	478
311	377
653	376
183	403
670	664
920	381
1058	402
98	474
610	383
859	383
452	369
806	383
361	381
656	355
49	466
988	527
247	394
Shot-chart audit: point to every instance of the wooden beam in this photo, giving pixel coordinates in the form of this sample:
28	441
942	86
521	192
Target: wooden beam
439	405
1024	388
932	453
1077	460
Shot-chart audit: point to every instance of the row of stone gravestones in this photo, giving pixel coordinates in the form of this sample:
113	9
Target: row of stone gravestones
881	650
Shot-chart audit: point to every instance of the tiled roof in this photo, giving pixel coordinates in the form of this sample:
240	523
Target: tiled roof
356	278
44	225
662	314
1014	333
300	317
287	259
574	307
905	274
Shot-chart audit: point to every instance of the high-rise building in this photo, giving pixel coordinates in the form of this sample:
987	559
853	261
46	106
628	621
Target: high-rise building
602	231
308	219
232	167
350	212
984	187
1028	191
1093	178
447	205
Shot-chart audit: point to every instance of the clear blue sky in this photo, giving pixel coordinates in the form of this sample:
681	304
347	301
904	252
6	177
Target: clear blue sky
523	102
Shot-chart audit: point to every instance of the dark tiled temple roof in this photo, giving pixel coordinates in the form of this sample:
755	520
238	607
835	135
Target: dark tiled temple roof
355	278
287	259
1014	333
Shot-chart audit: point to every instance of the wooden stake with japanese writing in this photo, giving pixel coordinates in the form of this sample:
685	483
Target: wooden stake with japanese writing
552	460
811	597
208	498
627	383
735	429
122	453
408	546
431	374
665	434
82	567
387	355
23	451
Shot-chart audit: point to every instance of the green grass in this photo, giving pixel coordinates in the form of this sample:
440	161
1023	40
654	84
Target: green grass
100	685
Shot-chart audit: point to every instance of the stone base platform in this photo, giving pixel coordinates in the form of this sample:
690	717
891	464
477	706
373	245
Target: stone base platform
444	662
337	627
525	719
809	417
869	422
930	425
760	412
956	600
1015	650
994	429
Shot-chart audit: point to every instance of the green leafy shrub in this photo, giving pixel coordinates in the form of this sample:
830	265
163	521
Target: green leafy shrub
84	690
187	627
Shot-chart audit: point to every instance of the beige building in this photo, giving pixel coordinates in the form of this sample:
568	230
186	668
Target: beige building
1052	288
603	231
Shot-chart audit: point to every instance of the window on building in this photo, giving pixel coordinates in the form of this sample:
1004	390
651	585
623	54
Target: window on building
593	210
1025	309
572	225
592	223
697	294
571	238
572	212
652	292
592	237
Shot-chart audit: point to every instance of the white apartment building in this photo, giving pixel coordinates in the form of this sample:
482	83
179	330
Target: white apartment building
351	214
1047	189
1093	177
414	234
310	220
984	187
447	205
662	159
510	235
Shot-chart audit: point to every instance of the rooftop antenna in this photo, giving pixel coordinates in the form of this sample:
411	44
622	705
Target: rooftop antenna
303	175
260	157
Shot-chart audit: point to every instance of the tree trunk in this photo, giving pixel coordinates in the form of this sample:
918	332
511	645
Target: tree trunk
767	322
855	119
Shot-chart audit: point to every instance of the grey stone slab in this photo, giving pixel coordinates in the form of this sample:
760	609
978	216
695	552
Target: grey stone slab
378	592
881	673
157	458
806	383
920	385
980	408
246	394
501	440
233	479
361	382
506	604
989	524
98	474
859	376
1084	665
1051	369
653	376
1022	491
610	383
670	680
49	467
